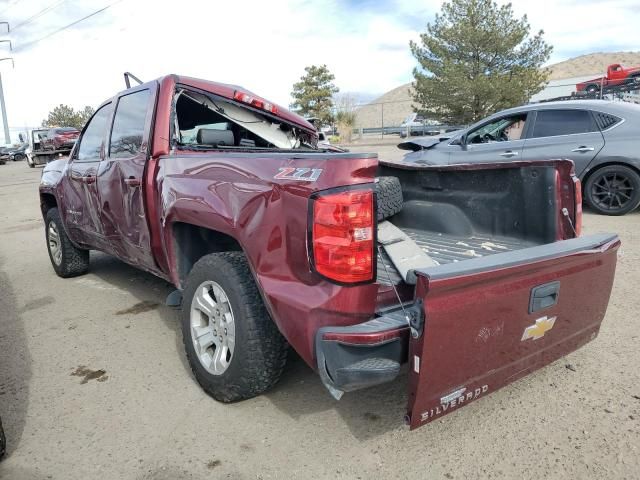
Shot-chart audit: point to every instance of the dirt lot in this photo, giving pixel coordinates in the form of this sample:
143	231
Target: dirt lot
94	384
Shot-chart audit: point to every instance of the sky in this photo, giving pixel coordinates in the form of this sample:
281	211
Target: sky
261	45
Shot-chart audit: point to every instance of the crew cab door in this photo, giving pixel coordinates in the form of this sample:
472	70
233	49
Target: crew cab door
81	210
492	320
121	177
569	133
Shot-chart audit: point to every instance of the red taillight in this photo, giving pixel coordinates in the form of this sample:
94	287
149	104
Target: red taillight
257	102
343	236
577	187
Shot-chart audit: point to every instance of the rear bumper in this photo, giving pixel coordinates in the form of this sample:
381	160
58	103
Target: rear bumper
362	355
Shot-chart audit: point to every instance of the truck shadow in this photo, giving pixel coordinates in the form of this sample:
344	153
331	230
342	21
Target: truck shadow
367	413
299	393
15	366
152	292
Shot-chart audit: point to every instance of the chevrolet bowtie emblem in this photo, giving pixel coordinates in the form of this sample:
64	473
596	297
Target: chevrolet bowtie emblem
542	326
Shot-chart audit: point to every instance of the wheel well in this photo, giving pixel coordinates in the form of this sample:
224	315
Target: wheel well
193	242
600	166
47	202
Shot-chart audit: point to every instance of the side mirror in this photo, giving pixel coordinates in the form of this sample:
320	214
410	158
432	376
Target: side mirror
463	141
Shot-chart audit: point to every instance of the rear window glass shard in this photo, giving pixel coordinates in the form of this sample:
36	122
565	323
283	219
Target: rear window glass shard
211	122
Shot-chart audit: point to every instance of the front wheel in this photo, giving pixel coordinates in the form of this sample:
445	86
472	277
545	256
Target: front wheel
67	259
234	349
613	190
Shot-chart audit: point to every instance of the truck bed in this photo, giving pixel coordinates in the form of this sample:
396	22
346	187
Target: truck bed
457	214
445	248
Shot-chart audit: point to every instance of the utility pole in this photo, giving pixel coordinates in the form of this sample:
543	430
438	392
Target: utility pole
5	122
7	135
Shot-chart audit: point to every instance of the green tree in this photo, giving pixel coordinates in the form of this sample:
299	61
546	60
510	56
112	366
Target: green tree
66	116
314	92
476	58
85	114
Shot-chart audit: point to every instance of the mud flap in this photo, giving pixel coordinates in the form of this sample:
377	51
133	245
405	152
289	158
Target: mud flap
492	320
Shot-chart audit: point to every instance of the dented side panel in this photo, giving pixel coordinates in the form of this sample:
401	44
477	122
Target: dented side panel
247	197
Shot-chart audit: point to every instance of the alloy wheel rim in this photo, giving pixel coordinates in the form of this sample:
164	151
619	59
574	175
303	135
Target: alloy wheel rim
612	191
212	327
55	246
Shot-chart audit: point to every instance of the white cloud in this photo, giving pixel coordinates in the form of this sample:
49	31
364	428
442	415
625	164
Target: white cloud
262	45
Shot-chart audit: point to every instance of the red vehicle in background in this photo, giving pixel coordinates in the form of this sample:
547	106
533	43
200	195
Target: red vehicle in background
616	75
62	138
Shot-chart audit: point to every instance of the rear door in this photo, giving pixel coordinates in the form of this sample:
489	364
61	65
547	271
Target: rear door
492	320
81	211
569	133
121	177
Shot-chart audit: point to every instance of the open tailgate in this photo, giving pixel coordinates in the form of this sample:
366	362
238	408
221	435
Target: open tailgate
492	320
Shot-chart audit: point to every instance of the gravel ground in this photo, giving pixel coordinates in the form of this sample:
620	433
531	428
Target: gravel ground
94	383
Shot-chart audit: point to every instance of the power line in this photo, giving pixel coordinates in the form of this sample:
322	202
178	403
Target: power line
38	14
29	44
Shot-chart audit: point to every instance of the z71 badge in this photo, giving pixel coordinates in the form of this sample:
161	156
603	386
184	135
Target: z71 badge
302	174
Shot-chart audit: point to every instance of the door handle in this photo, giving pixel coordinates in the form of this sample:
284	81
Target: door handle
583	149
509	154
132	181
544	296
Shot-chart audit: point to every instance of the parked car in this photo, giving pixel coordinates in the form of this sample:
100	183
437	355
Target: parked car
600	137
17	152
272	242
417	124
62	138
616	75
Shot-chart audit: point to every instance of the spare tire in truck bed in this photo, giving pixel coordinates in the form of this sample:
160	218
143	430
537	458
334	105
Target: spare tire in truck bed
389	194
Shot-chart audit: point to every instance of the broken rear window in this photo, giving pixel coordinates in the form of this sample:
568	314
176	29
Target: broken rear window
210	122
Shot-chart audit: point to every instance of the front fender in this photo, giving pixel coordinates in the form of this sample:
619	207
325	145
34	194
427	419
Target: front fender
52	174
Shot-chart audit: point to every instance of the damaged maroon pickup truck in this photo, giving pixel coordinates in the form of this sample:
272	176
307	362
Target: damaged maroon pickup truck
471	275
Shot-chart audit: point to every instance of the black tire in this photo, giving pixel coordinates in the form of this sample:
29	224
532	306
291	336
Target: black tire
31	163
3	442
260	351
19	156
613	190
389	194
72	261
593	88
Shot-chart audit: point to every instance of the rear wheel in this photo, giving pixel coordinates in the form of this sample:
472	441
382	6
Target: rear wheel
613	190
30	162
592	88
234	349
67	260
